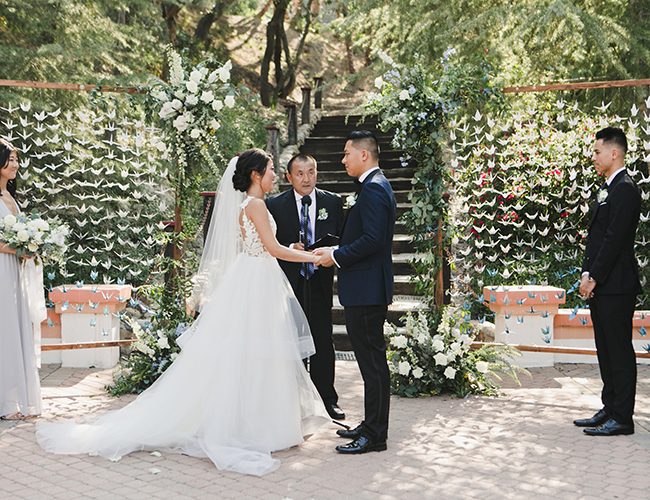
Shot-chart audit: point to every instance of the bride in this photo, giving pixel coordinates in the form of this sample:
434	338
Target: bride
239	390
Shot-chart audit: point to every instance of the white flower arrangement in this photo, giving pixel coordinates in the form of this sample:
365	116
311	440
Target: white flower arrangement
188	108
350	201
602	195
31	236
322	214
421	364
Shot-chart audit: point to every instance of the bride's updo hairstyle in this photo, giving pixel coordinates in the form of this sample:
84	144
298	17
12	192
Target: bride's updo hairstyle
251	160
5	151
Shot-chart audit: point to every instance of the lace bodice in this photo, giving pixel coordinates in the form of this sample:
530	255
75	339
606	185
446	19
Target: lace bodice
253	245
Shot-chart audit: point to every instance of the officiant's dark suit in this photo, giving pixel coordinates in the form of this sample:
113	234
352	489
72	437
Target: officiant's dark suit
611	282
328	216
365	285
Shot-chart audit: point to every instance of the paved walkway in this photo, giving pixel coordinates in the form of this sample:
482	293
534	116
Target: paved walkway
518	446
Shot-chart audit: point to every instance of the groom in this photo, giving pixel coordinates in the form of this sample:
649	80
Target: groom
365	285
325	213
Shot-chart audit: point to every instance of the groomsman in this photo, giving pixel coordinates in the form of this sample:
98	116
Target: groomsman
610	280
312	285
365	285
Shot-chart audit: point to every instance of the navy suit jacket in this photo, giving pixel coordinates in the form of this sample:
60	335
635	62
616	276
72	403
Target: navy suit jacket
609	255
285	212
365	276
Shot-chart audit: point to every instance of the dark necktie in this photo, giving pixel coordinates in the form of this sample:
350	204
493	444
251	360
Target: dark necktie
307	268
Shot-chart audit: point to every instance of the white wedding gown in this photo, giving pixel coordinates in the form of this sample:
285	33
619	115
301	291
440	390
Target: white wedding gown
237	392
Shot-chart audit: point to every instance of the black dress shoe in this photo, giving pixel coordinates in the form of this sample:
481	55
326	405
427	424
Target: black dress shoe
351	433
610	428
335	412
598	419
362	445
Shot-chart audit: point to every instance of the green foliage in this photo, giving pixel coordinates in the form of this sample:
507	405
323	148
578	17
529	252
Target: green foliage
536	41
427	361
417	106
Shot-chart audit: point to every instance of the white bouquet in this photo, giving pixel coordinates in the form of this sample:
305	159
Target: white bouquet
31	236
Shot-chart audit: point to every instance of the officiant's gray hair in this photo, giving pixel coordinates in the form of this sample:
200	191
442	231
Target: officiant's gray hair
302	158
364	139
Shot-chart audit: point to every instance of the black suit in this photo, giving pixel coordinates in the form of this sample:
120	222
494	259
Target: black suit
609	258
285	212
365	289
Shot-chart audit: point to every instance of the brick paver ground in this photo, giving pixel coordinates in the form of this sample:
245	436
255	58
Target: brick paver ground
518	446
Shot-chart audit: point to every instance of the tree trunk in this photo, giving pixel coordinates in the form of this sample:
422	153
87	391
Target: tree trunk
205	23
348	55
170	14
268	94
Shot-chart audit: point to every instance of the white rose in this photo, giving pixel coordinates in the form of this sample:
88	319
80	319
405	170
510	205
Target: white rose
42	225
180	94
213	76
217	105
196	76
9	221
191	86
167	110
180	123
482	366
207	96
455	348
224	72
438	345
38	237
32	226
22	235
455	332
441	359
400	341
161	96
214	124
195	133
160	146
163	343
450	373
20	226
32	247
379	82
58	239
176	104
191	100
230	101
404	95
404	368
417	372
451	357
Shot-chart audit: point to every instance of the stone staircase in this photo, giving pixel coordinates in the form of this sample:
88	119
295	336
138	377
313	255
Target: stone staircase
326	144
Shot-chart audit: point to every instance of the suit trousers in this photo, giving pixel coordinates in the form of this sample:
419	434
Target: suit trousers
612	319
365	326
319	314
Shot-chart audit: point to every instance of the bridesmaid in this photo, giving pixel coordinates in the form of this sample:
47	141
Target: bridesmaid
20	390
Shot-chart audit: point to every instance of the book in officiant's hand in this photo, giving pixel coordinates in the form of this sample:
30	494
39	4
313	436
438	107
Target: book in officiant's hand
326	241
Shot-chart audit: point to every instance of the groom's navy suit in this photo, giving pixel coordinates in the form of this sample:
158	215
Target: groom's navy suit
609	258
365	288
285	212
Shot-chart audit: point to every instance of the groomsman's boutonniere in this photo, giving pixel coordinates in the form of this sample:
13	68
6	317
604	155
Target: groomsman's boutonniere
322	214
602	196
350	201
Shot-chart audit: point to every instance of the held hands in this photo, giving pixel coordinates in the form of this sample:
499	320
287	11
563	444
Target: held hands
325	255
587	287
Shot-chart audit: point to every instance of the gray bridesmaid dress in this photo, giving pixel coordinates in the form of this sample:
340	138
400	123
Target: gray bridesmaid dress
20	389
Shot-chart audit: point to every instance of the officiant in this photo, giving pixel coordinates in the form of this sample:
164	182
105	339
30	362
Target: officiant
305	215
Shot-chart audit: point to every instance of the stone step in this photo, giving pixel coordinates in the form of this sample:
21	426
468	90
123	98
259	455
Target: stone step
399	184
403	285
336	154
385	164
400	306
341	175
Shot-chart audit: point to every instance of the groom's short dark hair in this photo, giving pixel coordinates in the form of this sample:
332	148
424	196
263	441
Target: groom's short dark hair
613	135
364	139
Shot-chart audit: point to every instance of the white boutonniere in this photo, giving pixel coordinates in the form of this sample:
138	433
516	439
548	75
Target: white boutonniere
322	214
350	201
602	196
